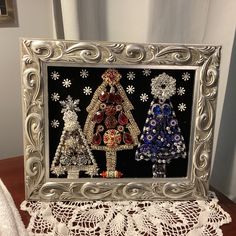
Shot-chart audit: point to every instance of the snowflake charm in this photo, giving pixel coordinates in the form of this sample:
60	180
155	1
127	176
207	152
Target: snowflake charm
55	75
182	107
66	83
55	123
130	75
146	72
163	86
180	91
55	97
185	76
143	97
69	104
84	73
130	89
87	90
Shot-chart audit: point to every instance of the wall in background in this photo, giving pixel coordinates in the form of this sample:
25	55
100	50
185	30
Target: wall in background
34	20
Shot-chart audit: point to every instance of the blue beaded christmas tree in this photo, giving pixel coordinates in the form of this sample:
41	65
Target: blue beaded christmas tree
161	139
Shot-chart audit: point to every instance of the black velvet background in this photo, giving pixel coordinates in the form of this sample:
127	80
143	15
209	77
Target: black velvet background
126	162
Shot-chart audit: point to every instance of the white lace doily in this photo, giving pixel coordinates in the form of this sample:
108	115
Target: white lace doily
95	218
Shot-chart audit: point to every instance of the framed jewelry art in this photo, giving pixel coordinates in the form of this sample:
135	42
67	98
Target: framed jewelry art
117	121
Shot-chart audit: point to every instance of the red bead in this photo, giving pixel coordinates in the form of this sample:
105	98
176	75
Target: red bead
127	138
118	99
111	98
110	122
103	96
110	110
97	139
104	174
122	119
98	117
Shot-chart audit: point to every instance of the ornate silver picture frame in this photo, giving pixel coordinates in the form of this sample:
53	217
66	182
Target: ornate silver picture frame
117	121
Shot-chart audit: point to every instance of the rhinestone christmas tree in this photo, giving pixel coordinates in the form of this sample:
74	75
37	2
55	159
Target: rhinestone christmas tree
73	153
110	126
161	140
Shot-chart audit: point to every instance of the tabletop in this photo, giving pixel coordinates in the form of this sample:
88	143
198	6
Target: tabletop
12	175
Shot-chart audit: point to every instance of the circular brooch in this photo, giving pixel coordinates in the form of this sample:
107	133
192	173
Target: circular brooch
163	86
112	138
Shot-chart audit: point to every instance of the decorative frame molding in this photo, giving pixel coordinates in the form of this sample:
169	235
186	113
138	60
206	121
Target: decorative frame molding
36	53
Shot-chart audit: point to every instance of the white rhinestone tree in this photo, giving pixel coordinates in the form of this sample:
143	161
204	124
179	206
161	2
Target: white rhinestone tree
73	154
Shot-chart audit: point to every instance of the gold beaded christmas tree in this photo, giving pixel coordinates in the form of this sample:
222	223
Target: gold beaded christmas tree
110	126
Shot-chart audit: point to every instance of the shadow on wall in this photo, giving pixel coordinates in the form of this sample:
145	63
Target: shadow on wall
224	169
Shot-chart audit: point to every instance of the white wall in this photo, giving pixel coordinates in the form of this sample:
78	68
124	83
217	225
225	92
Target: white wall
35	20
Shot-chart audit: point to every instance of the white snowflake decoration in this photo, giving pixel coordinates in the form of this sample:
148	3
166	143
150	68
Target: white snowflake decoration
130	75
143	97
69	104
55	75
55	123
163	86
84	73
55	97
182	107
87	90
185	76
66	83
146	72
130	89
180	91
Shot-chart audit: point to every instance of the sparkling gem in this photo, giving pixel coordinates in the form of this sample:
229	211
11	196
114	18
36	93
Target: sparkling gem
176	137
97	139
103	106
98	117
122	119
100	128
110	122
153	122
149	137
103	96
118	107
111	98
127	138
157	110
110	110
120	128
166	109
118	99
173	122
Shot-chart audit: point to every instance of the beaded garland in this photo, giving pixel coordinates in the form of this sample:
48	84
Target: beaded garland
110	125
73	153
161	139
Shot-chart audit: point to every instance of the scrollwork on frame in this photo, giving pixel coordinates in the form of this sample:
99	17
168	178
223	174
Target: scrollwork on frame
36	53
